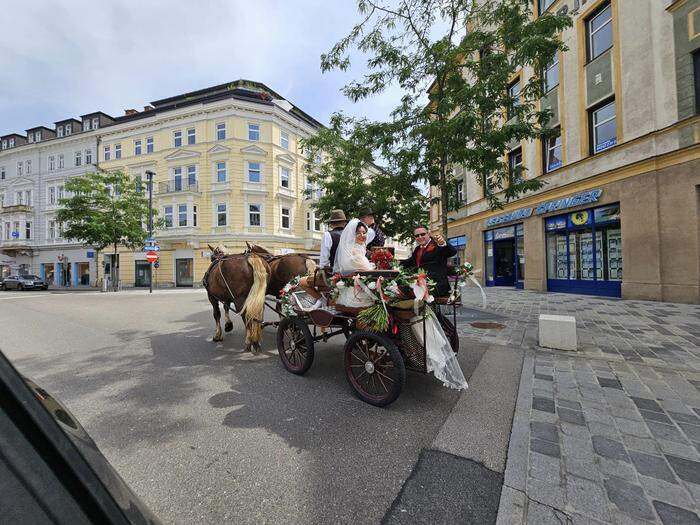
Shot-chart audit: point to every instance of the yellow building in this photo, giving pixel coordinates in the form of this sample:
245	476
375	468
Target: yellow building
228	169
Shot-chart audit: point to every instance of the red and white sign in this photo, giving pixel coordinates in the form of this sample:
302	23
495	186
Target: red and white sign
151	257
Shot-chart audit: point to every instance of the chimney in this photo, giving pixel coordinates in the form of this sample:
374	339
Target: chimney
148	108
130	112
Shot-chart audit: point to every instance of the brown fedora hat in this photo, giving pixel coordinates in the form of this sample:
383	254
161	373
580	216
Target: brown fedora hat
337	216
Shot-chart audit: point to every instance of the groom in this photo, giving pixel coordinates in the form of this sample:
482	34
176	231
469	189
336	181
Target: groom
431	254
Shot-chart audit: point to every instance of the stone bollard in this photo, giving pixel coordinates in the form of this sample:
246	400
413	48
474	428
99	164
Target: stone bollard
557	331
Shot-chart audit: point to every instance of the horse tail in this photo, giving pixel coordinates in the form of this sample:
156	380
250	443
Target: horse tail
254	305
310	266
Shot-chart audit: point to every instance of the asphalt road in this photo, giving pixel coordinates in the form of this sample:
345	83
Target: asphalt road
205	433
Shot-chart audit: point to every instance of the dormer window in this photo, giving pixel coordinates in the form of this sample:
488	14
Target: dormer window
69	129
4	144
12	143
59	131
95	123
37	136
86	125
30	137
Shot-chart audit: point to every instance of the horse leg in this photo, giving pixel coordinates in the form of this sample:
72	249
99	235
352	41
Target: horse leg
229	324
250	345
217	319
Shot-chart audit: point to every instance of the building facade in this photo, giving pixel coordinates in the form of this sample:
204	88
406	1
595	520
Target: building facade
619	212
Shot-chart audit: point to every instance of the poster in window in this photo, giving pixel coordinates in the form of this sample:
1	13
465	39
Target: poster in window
607	213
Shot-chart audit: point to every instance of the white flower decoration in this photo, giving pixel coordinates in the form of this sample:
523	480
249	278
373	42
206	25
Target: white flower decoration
429	299
372	285
340	284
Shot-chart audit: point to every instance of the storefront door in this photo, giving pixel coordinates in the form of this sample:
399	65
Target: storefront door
143	274
184	272
504	262
505	256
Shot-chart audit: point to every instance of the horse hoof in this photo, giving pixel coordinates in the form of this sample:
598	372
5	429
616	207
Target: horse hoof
217	339
229	326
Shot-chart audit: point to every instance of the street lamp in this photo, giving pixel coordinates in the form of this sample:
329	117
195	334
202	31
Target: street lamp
150	176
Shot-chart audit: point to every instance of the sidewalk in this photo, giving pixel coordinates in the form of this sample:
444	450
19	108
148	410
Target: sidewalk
609	434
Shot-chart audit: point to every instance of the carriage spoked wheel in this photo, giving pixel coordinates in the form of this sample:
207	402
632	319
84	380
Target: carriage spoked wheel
295	345
374	368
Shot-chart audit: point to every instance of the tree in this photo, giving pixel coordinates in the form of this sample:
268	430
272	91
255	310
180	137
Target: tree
104	209
454	62
351	181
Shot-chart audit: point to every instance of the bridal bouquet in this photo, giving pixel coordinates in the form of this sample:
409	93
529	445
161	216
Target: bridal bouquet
382	258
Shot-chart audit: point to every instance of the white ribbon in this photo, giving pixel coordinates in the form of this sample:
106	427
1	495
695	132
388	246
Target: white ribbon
473	279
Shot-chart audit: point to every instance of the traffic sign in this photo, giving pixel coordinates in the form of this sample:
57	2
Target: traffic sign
151	257
151	248
150	240
15	235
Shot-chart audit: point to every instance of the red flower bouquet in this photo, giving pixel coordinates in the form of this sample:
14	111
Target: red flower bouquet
381	258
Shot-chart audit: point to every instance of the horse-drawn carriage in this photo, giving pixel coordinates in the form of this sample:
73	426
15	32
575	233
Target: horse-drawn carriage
375	362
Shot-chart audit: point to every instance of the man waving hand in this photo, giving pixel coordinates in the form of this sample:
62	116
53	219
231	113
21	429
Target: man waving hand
431	254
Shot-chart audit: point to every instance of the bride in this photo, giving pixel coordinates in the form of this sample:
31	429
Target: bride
351	258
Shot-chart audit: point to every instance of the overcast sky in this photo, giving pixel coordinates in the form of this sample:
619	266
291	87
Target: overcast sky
65	58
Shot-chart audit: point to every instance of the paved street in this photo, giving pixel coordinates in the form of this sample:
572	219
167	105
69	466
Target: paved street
609	434
205	433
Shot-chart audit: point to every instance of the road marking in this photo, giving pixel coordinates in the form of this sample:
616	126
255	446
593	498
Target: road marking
6	298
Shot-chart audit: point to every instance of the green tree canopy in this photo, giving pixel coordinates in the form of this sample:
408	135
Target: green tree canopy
454	62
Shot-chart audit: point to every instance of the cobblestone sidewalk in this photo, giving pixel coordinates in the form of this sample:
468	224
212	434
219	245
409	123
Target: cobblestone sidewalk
610	434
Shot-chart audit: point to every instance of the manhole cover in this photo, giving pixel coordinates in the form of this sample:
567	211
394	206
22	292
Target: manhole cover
487	325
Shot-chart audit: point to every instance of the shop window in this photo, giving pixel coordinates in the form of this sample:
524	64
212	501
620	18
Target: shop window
552	152
603	125
599	32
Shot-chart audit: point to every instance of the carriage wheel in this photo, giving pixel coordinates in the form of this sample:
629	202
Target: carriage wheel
295	345
449	329
374	368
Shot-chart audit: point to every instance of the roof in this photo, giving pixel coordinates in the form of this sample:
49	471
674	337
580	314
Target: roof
97	113
37	128
9	135
67	120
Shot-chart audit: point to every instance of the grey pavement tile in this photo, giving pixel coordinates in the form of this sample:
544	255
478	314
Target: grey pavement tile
617	468
577	448
511	508
545	467
655	416
576	431
652	466
567	403
672	515
678	449
609	448
545	447
548	417
544	377
650	446
629	499
633	428
667	432
546	493
604	429
538	514
686	469
585	497
578	519
692	431
574	417
544	431
582	469
647	404
543	404
675	494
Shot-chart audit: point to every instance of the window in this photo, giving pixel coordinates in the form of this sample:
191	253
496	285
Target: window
95	122
696	69
177	138
182	214
221	215
254	215
59	131
4	144
86	125
27	230
69	129
284	177
78	158
308	221
52	162
149	144
60	194
191	137
117	151
138	184
192	176
599	32
19	198
107	153
317	223
12	143
20	165
552	153
514	93
460	191
88	156
603	127
515	164
253	172
253	131
52	195
285	218
551	74
2	173
61	161
221	172
137	147
194	215
168	214
29	167
177	178
52	230
221	131
284	139
30	137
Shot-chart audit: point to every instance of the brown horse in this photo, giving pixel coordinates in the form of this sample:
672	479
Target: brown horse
241	280
283	268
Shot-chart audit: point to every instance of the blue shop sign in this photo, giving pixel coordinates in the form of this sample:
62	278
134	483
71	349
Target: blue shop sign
555	223
458	242
522	213
504	233
605	145
90	255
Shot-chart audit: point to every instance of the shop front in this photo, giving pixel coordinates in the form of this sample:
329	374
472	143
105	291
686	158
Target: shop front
184	272
584	252
142	274
505	256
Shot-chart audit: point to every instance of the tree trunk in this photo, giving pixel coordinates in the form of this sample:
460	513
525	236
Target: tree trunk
444	196
97	267
115	284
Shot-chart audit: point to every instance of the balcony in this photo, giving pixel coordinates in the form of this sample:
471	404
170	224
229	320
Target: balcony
15	246
16	208
178	186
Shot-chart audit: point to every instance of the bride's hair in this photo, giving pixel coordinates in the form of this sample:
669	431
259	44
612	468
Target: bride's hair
361	225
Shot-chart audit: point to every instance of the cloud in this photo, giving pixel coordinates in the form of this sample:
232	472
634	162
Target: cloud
70	58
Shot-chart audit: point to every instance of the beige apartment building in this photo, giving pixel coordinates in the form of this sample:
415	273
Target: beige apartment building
619	213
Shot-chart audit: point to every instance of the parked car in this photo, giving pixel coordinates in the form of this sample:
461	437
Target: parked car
24	282
51	469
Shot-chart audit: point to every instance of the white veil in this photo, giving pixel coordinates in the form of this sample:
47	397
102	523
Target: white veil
350	257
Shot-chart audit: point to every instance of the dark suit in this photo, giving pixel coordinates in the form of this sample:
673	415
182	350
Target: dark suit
433	260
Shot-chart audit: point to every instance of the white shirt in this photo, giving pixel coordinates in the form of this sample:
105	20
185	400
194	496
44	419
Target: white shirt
326	244
371	234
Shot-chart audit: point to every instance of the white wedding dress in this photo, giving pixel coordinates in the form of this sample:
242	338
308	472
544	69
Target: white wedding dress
440	359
